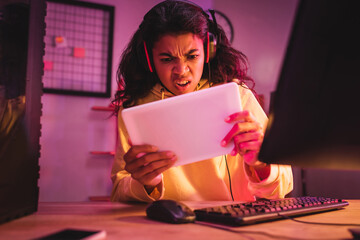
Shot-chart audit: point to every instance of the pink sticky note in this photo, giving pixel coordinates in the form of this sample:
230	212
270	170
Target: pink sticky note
79	52
48	65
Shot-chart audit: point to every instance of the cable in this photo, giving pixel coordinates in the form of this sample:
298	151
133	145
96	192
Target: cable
242	232
227	168
209	72
319	223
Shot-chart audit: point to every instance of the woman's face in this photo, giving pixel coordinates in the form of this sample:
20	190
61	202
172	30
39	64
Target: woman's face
179	61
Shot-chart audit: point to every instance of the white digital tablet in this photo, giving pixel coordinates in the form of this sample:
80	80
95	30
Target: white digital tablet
191	125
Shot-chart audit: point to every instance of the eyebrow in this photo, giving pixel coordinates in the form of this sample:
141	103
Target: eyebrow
169	55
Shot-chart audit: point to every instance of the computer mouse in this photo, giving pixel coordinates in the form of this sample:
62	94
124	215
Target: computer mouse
170	211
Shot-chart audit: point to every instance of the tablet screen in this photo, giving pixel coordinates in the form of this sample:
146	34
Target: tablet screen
191	125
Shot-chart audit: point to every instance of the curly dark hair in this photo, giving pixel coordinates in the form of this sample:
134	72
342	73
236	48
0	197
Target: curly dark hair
174	17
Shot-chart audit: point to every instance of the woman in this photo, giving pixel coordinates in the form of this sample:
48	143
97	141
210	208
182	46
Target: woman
176	50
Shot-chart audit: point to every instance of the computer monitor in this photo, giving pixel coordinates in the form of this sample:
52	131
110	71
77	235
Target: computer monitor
22	29
314	118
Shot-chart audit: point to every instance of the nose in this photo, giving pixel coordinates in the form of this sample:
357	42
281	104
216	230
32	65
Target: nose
180	67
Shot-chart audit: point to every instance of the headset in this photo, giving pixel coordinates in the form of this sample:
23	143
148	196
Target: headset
209	45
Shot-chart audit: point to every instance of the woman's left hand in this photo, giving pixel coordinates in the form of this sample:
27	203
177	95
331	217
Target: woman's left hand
247	135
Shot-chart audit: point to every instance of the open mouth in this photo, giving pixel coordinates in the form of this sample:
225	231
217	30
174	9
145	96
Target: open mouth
182	83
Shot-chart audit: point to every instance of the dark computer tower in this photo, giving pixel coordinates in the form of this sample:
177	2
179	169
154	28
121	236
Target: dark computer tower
22	30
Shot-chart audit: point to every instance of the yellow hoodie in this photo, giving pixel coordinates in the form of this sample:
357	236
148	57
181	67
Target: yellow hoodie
206	180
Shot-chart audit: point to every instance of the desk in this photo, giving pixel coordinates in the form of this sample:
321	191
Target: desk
128	221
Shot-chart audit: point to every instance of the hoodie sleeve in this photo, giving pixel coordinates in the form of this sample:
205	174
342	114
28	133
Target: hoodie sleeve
280	181
125	188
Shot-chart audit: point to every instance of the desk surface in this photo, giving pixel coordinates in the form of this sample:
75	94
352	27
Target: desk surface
128	221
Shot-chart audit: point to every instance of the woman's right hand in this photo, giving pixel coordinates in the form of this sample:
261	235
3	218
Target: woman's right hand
145	164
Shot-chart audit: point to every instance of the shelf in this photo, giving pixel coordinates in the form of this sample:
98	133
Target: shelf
102	108
109	153
99	198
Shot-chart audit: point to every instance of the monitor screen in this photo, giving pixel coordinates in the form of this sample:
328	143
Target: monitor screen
21	48
314	118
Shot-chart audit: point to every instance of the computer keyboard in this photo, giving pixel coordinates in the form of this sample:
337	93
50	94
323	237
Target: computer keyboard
267	210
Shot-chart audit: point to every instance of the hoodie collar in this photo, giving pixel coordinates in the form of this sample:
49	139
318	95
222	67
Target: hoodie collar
162	93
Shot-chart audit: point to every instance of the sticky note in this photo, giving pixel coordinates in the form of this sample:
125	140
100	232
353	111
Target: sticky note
79	52
48	65
60	41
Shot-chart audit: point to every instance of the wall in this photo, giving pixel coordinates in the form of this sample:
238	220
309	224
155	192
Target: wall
70	130
261	32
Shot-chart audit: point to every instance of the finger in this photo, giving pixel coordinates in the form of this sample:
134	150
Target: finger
239	128
154	167
234	151
135	150
147	159
248	136
244	147
148	178
239	116
147	173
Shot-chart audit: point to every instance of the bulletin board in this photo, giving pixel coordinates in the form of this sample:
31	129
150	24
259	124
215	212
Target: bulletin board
78	48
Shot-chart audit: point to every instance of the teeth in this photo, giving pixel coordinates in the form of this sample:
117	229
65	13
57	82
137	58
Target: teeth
182	82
